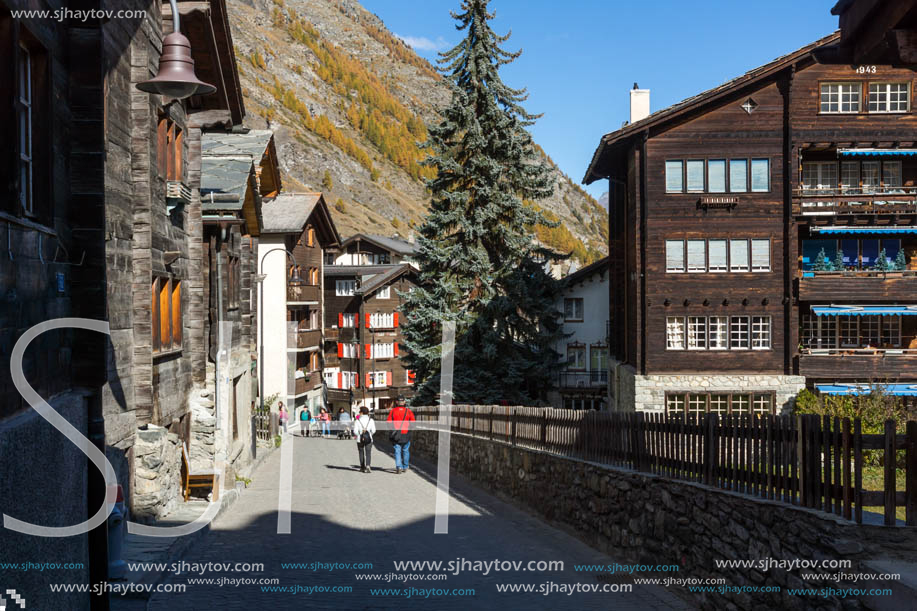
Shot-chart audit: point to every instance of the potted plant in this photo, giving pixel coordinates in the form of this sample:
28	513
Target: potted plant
822	263
839	261
886	266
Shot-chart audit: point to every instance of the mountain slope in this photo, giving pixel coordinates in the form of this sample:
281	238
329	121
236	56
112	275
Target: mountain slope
348	102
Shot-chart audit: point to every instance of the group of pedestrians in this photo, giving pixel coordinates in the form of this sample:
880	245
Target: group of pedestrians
365	427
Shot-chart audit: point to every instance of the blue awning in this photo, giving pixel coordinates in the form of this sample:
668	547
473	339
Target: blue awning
851	230
899	390
868	152
840	310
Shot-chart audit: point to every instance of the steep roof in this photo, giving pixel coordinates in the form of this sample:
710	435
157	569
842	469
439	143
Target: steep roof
396	245
695	102
380	280
223	182
584	272
288	212
252	143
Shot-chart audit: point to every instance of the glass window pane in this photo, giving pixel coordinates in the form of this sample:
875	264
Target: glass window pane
850	176
760	175
673	177
738	255
718	332
716	172
674	255
869	174
870	250
891	174
695	171
675	333
738	175
760	255
717	256
697	256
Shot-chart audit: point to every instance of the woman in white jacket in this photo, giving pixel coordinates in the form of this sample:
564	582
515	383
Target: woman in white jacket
364	424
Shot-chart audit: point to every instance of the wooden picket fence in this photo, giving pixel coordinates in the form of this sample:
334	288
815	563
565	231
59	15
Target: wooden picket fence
266	425
805	460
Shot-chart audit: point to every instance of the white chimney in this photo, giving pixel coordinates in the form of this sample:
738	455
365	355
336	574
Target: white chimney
639	104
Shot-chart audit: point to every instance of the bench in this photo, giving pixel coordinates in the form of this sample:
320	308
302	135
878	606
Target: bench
197	479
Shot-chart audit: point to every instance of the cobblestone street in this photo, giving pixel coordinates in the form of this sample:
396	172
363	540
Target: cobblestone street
342	515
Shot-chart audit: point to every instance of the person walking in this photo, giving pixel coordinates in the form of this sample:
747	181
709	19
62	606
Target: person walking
304	418
401	417
344	419
282	416
363	429
325	421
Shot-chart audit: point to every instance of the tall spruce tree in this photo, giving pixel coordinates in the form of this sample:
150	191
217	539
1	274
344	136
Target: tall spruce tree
480	265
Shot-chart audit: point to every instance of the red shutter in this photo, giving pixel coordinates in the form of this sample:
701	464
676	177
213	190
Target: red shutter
388	378
356	381
340	320
369	351
340	379
340	350
396	319
367	321
395	345
368	381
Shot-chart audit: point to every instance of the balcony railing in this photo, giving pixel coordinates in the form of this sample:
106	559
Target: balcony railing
308	338
859	273
878	200
858	351
302	292
300	385
583	379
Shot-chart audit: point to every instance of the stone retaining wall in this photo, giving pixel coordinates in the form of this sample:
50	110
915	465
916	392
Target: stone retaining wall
157	473
647	519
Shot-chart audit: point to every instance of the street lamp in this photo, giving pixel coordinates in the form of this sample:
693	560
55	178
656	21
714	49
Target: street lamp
294	279
176	78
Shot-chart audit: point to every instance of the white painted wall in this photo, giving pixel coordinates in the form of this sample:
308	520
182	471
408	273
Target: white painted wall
274	312
594	293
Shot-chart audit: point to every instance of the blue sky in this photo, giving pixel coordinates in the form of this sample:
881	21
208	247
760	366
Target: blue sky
580	57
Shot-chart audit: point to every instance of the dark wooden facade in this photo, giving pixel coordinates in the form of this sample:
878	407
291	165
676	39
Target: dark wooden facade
774	113
349	349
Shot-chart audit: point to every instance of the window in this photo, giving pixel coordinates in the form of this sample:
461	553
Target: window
674	180
675	333
738	255
891	174
348	319
383	351
697	256
310	237
850	176
889	97
870	175
409	377
674	256
695	171
314	364
576	357
717	256
167	314
819	331
697	333
738	175
716	176
598	358
573	309
891	331
313	276
840	97
169	149
819	176
384	293
348	350
377	379
345	288
760	175
234	288
718	332
760	255
761	332
26	199
849	331
382	320
738	333
720	403
869	330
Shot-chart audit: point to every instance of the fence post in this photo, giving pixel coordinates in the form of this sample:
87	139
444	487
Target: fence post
474	413
890	459
490	420
254	421
800	461
710	449
512	422
910	475
544	428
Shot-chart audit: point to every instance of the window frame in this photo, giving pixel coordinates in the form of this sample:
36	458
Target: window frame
745	171
349	288
907	102
703	175
683	267
681	175
840	85
384	293
575	365
582	309
751	175
174	317
686	402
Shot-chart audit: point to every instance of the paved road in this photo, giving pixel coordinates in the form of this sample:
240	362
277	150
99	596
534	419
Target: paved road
342	515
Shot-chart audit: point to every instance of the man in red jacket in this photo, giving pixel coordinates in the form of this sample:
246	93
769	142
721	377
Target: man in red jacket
401	417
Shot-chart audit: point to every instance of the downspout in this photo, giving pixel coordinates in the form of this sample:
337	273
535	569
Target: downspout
642	341
219	351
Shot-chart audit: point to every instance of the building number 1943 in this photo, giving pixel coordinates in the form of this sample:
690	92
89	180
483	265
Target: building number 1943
866	69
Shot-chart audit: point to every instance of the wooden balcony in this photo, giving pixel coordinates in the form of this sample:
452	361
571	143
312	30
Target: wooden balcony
303	293
864	363
834	202
858	286
302	385
309	339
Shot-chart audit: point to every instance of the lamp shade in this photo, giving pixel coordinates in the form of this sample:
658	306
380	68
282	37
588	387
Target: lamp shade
176	78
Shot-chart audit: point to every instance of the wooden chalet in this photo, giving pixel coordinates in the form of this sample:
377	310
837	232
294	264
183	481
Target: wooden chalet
762	238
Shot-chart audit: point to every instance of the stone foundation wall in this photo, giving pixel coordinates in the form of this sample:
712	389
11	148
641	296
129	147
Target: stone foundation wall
647	519
157	473
647	392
